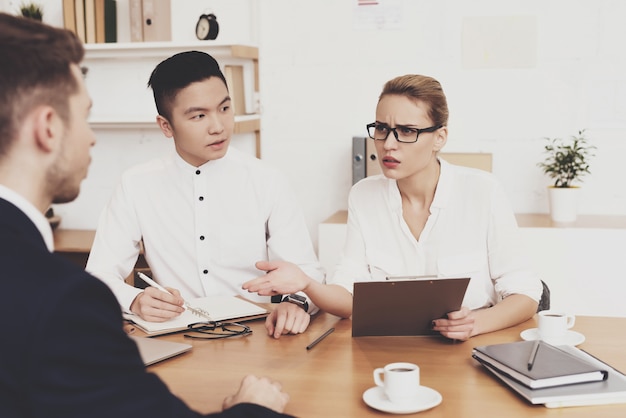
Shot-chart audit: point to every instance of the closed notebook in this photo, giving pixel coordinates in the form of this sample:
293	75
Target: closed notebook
219	308
609	391
551	366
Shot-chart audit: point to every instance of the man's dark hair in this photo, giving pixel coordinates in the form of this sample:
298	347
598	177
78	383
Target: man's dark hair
176	73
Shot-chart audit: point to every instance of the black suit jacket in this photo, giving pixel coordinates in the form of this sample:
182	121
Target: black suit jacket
64	352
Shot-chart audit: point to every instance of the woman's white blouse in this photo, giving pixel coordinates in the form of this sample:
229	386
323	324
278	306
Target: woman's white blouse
471	232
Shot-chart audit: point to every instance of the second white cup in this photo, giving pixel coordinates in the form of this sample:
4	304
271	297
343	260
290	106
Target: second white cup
400	381
553	325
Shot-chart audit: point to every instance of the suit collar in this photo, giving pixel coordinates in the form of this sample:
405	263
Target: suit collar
18	213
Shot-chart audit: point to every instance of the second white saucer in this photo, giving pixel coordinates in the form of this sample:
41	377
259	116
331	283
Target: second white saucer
570	337
426	398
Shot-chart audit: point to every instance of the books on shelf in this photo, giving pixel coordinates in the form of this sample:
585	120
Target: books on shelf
69	15
220	308
236	87
90	21
79	18
136	20
156	20
99	17
612	390
538	366
110	21
93	21
150	20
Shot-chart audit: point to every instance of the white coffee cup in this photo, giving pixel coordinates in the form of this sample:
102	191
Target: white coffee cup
401	381
553	324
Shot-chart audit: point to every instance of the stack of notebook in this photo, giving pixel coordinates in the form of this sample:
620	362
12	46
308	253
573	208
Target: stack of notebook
553	376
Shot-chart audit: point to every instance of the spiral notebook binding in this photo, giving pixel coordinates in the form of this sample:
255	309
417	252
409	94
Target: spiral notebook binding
199	312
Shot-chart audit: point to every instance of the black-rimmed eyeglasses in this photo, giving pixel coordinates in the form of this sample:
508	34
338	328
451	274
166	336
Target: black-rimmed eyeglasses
216	330
405	134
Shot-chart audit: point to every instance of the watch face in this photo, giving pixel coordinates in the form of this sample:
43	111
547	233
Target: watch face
203	27
298	298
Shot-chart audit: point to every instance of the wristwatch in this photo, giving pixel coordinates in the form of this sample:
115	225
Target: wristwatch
297	300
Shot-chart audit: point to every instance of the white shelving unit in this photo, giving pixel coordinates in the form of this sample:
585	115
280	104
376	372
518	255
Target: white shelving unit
143	50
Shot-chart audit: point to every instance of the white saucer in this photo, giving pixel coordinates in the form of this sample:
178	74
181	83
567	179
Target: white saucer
426	398
570	337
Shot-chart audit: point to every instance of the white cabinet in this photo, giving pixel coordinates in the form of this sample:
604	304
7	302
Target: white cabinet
583	263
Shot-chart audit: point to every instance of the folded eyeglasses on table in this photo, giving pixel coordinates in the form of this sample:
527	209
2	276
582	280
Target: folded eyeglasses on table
214	330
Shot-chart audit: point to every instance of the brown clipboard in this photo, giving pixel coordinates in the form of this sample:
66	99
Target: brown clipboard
404	307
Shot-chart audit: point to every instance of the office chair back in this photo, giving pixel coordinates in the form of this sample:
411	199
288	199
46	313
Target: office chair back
544	302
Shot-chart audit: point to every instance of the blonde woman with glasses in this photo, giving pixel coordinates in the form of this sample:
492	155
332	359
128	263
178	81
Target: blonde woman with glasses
424	216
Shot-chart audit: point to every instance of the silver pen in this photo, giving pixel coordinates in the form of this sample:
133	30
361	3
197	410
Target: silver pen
196	311
533	355
320	338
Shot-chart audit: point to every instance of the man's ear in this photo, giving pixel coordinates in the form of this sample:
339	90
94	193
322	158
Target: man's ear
441	137
48	128
165	126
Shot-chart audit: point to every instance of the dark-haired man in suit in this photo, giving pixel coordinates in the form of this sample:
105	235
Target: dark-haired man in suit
64	352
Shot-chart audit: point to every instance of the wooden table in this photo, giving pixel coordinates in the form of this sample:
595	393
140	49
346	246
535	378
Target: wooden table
329	380
75	245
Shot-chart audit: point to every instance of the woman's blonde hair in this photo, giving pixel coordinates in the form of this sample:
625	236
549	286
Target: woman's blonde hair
423	89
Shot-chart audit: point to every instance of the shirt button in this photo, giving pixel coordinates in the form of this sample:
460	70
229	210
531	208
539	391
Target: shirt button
205	271
197	171
201	198
201	237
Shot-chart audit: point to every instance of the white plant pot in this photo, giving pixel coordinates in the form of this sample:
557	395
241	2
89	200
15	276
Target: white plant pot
563	203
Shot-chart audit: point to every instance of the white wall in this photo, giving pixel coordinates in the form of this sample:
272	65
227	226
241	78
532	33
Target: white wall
549	68
321	75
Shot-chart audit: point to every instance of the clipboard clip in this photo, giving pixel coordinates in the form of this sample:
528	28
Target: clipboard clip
398	278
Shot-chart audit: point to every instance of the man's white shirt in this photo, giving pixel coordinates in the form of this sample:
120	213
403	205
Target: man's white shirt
202	228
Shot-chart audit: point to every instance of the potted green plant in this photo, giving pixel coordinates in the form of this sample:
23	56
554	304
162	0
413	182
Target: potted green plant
567	162
32	10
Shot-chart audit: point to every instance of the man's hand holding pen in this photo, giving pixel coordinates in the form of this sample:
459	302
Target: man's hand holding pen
156	305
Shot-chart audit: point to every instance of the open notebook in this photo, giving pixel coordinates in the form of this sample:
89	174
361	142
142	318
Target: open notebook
220	308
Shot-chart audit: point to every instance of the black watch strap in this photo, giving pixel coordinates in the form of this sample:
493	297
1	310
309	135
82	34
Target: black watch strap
297	300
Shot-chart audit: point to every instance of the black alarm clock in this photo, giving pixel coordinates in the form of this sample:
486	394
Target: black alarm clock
207	27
